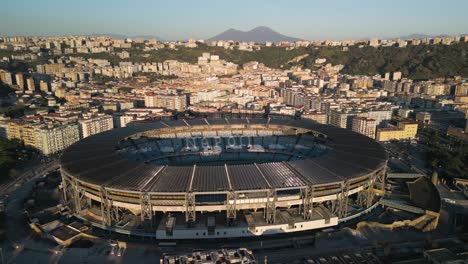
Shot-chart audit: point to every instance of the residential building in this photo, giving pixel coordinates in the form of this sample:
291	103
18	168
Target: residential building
381	117
150	99
20	80
43	86
319	117
177	102
343	119
5	77
30	84
404	130
396	76
54	138
22	131
423	117
95	125
364	125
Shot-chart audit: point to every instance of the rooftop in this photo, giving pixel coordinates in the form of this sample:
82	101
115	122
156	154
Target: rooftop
350	155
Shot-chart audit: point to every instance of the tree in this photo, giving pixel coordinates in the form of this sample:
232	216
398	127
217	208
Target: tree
8	156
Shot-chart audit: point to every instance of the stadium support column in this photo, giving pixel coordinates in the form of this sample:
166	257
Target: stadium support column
64	189
73	194
307	201
78	195
190	215
68	189
115	216
343	200
370	191
146	207
364	197
380	182
376	186
231	208
106	205
270	216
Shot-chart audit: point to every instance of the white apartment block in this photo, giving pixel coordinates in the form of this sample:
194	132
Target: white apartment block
365	126
341	119
382	117
95	125
53	139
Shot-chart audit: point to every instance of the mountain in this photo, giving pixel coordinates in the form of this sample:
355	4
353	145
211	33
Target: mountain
258	34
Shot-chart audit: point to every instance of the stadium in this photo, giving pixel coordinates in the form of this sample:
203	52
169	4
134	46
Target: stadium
218	178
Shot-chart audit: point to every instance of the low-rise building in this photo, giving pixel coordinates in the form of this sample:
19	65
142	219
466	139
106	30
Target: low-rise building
404	130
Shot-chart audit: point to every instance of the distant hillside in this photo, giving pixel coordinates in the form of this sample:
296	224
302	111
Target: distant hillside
415	62
275	57
258	35
122	36
414	36
422	36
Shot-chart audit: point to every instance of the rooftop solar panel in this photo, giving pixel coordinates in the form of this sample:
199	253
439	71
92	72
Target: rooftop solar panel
240	121
314	173
136	179
341	169
260	121
100	174
197	122
246	177
210	178
173	179
217	122
280	176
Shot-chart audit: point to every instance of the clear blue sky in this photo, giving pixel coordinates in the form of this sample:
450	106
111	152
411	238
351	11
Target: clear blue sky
181	19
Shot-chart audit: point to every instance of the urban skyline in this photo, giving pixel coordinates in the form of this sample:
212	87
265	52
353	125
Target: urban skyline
309	20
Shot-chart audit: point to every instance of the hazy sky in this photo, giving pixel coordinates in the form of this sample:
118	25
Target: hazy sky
181	19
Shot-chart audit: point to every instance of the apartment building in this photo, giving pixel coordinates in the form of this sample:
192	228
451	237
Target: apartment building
381	117
94	125
48	138
55	138
177	102
343	119
364	125
318	117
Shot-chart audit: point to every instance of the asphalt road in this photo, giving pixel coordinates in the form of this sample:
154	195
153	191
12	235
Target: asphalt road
28	174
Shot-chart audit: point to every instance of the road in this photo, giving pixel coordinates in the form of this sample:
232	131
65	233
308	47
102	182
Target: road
405	157
28	174
16	229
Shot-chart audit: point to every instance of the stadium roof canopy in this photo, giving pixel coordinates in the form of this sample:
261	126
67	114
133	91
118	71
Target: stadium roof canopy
95	160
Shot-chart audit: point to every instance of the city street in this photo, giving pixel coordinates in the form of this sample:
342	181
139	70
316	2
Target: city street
405	157
28	173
